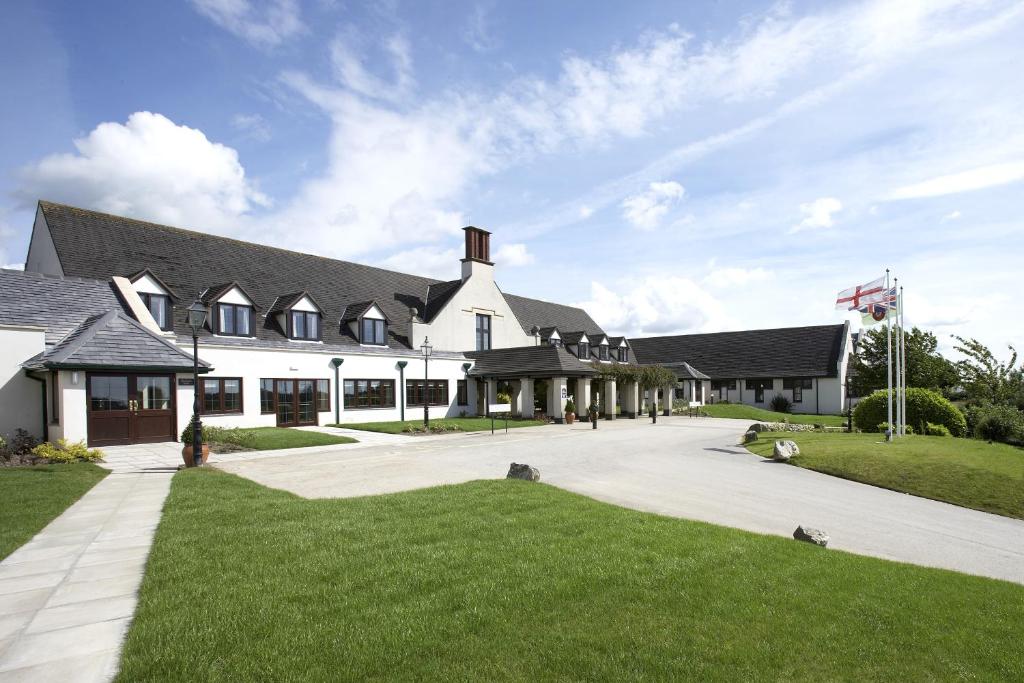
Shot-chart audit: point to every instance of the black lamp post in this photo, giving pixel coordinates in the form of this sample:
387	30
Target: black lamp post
401	387
197	313
427	349
336	362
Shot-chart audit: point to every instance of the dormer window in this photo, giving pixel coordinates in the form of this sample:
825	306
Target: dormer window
159	306
304	325
234	320
603	352
624	354
372	331
584	350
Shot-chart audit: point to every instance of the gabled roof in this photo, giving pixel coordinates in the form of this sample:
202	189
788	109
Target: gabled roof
283	303
359	309
543	314
782	352
153	276
98	245
528	361
114	340
438	295
54	303
617	341
548	332
686	371
574	337
210	295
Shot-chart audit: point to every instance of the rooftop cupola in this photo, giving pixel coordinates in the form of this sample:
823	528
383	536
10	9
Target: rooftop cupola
478	254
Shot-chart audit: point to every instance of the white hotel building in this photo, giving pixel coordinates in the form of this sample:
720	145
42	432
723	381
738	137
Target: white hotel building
97	346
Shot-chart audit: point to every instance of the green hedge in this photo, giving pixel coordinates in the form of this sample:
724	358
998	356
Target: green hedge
923	406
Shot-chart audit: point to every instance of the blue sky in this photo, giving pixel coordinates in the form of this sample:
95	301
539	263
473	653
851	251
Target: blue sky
674	167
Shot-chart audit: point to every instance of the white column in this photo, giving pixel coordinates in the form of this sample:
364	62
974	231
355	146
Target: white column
582	398
608	398
630	399
666	408
558	391
526	396
492	393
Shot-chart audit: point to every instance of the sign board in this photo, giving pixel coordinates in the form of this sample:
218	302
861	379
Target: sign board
499	408
565	393
186	382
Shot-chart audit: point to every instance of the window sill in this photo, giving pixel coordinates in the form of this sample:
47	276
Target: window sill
306	341
230	412
369	408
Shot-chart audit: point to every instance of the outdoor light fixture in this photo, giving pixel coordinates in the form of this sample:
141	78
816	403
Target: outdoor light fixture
427	349
197	313
336	362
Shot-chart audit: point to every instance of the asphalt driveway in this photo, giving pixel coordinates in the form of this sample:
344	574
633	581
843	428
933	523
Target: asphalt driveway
682	467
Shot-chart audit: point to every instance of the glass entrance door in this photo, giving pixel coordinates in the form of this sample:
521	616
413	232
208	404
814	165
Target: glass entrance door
129	408
285	402
296	402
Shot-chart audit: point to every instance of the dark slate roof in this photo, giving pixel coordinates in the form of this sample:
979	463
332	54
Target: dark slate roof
97	245
616	342
686	371
356	310
439	294
283	303
114	340
532	312
782	352
528	361
573	337
58	304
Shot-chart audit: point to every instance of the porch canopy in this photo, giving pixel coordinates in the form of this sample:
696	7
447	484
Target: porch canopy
527	361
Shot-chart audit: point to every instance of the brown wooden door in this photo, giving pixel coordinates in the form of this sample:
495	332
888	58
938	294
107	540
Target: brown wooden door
296	402
129	408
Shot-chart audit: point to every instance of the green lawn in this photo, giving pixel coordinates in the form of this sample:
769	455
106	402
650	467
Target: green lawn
465	424
965	472
32	497
273	438
507	580
745	412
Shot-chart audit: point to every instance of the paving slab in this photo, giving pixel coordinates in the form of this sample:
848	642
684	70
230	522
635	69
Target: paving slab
67	596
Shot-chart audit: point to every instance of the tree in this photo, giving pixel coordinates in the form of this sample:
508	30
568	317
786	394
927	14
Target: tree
986	379
926	367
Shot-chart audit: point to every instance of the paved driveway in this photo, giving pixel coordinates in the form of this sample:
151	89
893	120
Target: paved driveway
682	467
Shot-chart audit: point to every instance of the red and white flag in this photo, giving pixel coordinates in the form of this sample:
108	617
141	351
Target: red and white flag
857	297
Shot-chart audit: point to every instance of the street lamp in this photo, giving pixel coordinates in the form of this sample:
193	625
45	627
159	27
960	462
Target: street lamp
197	313
427	349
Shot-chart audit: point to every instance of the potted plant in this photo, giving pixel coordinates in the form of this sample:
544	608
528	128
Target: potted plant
186	450
570	411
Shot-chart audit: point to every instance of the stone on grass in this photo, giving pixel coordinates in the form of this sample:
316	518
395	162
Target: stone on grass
759	427
809	535
750	437
517	471
784	450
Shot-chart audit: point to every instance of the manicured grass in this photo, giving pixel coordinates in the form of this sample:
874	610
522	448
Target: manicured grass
744	412
273	438
32	497
465	424
507	580
965	472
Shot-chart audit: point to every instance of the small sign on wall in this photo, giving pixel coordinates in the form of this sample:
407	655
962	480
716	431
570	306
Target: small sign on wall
186	382
565	393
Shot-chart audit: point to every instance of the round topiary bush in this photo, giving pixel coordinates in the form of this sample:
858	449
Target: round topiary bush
923	406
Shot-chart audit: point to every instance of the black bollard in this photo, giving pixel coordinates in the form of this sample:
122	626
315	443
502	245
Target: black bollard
654	414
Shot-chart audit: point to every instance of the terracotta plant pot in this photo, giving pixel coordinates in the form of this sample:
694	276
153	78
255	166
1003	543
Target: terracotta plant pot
186	455
570	418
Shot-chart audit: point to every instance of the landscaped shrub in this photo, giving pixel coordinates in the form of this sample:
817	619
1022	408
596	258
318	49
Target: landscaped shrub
936	430
504	398
883	427
781	404
236	436
996	423
63	451
923	406
570	406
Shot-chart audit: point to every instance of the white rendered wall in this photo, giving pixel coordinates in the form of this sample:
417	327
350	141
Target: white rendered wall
253	365
21	403
454	327
42	255
74	417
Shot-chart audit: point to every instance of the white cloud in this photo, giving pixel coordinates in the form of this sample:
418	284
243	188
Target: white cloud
477	32
818	214
428	261
586	211
513	255
966	181
735	277
151	168
264	24
655	305
644	211
13	266
951	216
352	72
252	126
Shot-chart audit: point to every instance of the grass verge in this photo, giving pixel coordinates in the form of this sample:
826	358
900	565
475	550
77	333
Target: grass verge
965	472
745	412
464	424
506	580
35	496
271	438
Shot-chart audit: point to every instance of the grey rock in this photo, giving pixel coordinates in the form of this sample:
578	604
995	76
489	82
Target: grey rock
809	535
750	437
517	471
784	450
759	427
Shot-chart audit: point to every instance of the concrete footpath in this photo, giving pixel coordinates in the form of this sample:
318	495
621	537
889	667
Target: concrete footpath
68	595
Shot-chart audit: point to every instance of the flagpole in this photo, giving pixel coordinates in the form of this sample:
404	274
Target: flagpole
903	344
888	358
898	427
